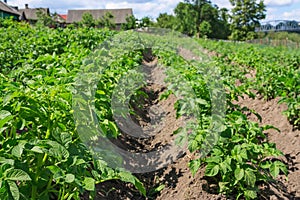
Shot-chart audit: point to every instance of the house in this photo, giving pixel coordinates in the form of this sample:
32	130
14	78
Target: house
7	11
31	14
60	19
120	15
63	16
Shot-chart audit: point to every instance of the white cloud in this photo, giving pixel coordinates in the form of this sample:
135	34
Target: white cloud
53	5
140	8
151	8
275	3
276	14
272	14
278	2
222	3
276	9
294	14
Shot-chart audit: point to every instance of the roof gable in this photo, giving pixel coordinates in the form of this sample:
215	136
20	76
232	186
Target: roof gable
31	13
119	14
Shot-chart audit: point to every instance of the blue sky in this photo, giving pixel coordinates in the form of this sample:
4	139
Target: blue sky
276	9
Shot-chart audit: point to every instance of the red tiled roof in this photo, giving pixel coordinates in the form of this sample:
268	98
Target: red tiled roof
63	16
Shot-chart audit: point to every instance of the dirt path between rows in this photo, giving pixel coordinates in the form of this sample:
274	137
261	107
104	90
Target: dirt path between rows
179	184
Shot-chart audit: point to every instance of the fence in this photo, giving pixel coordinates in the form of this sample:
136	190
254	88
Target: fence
272	42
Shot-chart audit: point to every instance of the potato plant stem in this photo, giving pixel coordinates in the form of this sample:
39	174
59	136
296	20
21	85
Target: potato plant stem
41	163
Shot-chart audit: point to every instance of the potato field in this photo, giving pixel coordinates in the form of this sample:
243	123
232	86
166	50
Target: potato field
233	108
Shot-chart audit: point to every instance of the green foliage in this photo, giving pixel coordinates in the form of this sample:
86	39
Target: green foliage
41	156
239	161
130	23
295	37
88	20
245	17
166	21
193	16
107	21
189	15
7	22
145	22
44	19
186	20
276	72
204	29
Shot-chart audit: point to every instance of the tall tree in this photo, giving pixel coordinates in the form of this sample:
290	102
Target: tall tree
208	17
221	27
108	21
186	18
88	20
166	21
204	10
198	3
204	29
197	17
245	17
145	22
130	23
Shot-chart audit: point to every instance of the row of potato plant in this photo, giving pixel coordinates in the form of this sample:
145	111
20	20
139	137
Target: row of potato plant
270	71
41	156
240	159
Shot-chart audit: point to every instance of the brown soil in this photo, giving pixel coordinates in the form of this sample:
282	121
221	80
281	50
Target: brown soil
179	184
287	140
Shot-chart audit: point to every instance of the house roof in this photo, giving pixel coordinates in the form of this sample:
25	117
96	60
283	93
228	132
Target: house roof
6	8
59	18
119	14
63	16
31	13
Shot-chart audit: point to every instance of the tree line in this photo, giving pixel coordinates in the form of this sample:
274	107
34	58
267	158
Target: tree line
202	18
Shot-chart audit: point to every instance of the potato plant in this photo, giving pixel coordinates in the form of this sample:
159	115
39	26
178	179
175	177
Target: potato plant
41	154
274	71
240	160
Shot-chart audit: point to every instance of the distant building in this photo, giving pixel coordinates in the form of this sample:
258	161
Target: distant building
7	11
60	19
279	25
63	16
31	14
120	15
